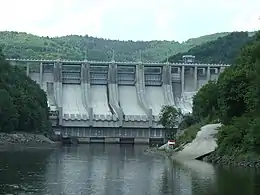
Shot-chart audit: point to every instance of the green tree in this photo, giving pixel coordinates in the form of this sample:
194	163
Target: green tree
205	102
23	104
187	121
169	118
234	100
8	112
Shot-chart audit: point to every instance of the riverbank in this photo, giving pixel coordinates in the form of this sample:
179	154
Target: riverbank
204	148
25	140
245	160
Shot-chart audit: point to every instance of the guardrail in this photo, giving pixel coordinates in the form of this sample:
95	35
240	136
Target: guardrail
118	62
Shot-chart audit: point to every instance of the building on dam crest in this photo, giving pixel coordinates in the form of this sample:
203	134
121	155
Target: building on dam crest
113	101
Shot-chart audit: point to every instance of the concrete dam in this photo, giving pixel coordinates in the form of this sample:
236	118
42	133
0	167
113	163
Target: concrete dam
115	101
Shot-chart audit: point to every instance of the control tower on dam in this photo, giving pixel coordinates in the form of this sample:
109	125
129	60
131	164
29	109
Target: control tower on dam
113	101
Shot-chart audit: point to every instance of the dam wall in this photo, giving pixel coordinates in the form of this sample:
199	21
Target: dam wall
91	98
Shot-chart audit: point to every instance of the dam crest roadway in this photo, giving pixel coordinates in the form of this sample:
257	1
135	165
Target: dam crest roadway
114	101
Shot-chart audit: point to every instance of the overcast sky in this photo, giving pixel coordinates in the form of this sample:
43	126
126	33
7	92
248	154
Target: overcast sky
130	19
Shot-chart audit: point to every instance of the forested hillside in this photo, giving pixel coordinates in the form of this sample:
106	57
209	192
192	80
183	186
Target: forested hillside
234	101
222	50
23	45
23	105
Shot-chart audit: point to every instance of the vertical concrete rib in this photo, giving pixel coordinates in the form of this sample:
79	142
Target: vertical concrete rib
167	87
195	78
208	73
58	84
85	90
27	69
113	96
182	78
140	89
41	74
58	88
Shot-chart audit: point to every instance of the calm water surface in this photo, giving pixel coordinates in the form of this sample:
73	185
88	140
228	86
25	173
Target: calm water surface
116	170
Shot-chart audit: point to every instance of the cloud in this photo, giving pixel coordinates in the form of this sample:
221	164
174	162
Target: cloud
129	19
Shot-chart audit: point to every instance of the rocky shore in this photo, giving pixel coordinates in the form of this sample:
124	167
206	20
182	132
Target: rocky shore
25	140
213	158
205	144
157	151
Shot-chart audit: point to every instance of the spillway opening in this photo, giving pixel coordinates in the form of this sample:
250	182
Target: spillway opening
99	100
176	88
202	77
185	102
128	101
47	85
155	98
72	99
50	95
189	80
35	76
214	74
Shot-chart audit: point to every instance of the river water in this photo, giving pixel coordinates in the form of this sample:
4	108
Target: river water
117	170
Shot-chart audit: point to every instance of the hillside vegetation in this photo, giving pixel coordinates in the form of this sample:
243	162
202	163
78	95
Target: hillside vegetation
23	105
223	49
234	101
23	45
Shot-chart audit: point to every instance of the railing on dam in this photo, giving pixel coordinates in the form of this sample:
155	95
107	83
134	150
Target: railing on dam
95	94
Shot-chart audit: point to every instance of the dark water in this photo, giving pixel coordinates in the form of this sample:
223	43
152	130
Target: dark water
116	170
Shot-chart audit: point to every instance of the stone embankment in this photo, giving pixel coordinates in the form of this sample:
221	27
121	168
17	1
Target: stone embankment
203	148
203	144
232	160
25	140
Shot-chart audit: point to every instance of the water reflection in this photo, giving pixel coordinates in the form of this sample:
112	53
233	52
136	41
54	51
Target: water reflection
238	181
99	169
116	170
202	176
22	171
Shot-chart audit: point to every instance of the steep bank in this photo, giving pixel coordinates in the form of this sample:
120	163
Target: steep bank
205	146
